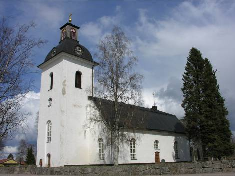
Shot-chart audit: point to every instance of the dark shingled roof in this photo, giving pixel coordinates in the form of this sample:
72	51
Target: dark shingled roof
143	118
70	24
68	46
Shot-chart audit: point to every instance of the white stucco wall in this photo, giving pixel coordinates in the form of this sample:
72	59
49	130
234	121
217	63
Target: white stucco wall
67	113
76	143
145	152
53	113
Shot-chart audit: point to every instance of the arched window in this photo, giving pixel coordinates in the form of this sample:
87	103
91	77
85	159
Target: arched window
176	150
78	79
133	149
101	148
49	126
156	142
73	33
51	76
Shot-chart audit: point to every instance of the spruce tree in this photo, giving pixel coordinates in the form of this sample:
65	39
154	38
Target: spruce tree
30	159
205	111
210	139
10	156
192	90
215	132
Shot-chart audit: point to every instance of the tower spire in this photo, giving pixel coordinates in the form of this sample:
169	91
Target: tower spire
154	107
70	17
154	94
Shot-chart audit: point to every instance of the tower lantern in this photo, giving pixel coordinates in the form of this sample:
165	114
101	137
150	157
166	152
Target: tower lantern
69	30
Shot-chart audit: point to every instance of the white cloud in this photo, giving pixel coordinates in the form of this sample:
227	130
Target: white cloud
167	99
165	105
51	16
188	26
30	104
206	25
44	14
94	31
10	149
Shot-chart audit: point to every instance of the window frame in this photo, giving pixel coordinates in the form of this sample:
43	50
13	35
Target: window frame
63	34
73	33
156	144
49	131
133	149
176	150
101	148
78	79
51	81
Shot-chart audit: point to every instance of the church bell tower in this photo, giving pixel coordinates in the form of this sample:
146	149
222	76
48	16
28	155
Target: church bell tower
66	83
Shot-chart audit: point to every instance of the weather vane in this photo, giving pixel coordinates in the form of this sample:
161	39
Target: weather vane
70	17
154	94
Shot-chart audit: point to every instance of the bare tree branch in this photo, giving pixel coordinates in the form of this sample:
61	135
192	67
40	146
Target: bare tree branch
15	62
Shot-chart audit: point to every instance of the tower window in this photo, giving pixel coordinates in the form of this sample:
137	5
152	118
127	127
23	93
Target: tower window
51	76
78	77
133	149
63	34
73	33
176	150
156	146
49	126
101	148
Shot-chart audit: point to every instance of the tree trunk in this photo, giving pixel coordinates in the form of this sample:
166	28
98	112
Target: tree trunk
116	145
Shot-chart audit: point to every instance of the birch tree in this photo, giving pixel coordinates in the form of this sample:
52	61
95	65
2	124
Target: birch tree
117	83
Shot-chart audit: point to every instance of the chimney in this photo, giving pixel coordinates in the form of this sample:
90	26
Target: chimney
154	108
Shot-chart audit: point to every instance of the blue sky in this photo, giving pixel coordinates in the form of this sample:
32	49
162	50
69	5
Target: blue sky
162	33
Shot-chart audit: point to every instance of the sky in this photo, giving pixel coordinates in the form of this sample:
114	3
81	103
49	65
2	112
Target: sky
161	31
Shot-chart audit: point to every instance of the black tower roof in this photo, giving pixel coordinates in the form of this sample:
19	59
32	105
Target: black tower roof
68	46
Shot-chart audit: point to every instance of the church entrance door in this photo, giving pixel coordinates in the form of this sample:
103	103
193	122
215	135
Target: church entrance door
157	157
48	160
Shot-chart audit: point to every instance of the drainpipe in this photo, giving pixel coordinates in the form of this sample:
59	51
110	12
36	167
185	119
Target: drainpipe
92	87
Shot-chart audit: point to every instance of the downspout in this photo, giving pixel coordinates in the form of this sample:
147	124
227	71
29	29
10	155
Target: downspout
92	86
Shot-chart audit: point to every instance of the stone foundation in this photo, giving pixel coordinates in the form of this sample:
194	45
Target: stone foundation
124	170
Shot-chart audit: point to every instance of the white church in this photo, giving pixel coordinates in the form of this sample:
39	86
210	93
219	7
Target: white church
65	105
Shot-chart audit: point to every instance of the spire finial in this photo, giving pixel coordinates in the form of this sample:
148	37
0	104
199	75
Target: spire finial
70	17
154	94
